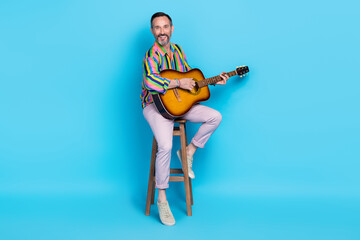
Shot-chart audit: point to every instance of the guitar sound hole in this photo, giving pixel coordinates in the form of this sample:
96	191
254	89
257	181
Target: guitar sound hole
195	90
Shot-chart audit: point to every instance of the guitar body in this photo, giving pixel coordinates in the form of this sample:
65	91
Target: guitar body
176	102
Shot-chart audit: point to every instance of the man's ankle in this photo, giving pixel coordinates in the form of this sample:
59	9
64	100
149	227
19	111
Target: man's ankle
161	200
161	195
191	149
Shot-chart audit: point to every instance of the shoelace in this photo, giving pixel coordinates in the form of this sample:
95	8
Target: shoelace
189	163
165	210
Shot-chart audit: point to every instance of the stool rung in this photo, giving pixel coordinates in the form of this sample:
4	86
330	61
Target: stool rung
176	171
176	179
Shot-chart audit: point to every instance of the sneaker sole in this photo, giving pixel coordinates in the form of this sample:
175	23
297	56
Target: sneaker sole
168	224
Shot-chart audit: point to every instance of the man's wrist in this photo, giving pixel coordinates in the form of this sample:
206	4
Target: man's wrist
178	82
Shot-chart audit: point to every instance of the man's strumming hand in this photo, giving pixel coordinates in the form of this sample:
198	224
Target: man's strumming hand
187	83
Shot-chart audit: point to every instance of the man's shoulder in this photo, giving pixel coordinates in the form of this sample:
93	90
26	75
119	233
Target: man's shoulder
177	47
151	52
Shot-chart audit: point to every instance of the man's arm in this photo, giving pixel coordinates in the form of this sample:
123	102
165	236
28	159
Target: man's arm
154	83
184	83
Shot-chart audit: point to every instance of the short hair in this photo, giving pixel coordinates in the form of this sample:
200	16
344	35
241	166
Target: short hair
160	14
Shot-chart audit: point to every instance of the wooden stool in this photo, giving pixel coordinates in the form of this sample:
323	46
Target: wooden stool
178	131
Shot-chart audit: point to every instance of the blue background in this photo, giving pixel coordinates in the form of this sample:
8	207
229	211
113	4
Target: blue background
75	148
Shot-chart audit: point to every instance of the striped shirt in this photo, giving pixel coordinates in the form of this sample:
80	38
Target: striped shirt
156	60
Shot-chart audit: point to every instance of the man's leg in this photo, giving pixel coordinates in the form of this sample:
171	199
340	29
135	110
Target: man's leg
162	129
210	119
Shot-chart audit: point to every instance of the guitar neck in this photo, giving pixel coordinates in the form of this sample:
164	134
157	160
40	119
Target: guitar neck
213	80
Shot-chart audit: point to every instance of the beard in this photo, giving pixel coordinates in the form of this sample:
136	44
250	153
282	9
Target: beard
163	42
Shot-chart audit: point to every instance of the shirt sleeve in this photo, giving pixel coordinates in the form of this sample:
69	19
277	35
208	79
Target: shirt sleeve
153	82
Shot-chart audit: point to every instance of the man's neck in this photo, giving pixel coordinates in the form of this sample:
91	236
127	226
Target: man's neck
166	48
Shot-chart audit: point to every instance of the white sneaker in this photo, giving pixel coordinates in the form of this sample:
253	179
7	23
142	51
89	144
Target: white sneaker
166	216
189	161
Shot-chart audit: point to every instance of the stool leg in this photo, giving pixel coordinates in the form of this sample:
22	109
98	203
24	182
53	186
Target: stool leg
185	168
153	156
153	192
191	192
151	184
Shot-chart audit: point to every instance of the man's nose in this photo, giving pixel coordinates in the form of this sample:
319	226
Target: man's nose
161	31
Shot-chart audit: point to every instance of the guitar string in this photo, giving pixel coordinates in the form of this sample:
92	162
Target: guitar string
215	79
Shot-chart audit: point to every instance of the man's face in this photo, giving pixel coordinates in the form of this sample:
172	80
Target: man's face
162	30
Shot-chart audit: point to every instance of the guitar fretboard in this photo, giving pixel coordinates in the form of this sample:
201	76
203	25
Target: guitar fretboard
213	80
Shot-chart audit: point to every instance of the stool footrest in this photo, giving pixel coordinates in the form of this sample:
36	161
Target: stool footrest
176	171
176	179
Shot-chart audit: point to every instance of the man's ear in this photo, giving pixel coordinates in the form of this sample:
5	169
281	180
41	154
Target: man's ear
172	29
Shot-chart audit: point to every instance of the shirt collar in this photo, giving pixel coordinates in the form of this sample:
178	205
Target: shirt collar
161	49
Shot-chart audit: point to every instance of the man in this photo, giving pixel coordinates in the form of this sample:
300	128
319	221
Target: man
165	55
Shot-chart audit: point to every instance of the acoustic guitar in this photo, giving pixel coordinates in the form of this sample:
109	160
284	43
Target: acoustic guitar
176	101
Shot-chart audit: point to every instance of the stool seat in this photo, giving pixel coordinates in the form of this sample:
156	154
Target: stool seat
184	175
179	120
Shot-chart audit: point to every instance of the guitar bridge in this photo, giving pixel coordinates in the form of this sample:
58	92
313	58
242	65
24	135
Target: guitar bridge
177	95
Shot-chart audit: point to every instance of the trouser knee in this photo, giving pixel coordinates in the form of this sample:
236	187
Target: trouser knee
216	118
164	148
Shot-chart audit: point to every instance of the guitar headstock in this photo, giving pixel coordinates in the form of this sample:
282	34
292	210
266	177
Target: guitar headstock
242	70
